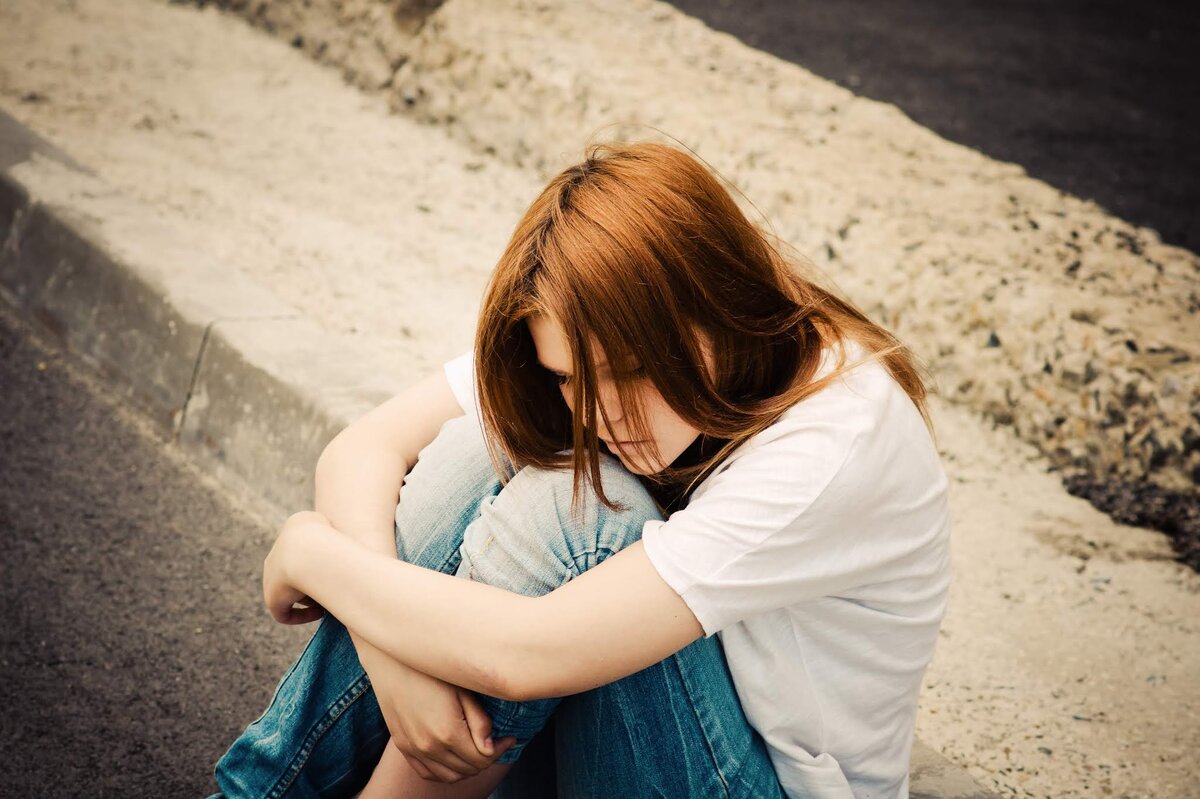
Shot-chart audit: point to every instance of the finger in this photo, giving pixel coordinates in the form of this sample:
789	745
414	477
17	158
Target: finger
449	758
441	772
303	615
478	722
423	764
480	725
307	602
419	767
438	756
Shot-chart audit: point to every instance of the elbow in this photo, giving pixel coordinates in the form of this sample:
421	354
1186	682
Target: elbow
508	686
506	676
332	450
513	669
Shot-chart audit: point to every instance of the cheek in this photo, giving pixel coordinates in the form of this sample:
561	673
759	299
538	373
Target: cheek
670	429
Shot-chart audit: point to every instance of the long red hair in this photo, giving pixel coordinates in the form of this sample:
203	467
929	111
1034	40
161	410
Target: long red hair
636	249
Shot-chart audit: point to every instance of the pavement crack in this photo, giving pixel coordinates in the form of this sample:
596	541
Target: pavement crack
187	400
203	349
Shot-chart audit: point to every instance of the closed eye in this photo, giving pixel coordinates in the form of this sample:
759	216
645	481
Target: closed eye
633	374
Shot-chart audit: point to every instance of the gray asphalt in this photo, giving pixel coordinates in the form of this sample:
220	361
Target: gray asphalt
135	646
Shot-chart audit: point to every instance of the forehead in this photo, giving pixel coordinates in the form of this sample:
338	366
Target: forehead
553	348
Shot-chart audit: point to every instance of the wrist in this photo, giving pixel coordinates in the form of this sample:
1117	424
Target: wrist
377	539
305	532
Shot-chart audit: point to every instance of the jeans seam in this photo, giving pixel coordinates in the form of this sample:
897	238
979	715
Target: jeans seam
573	566
348	697
471	572
513	707
700	723
283	680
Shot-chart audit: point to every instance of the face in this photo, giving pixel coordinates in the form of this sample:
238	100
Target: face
670	434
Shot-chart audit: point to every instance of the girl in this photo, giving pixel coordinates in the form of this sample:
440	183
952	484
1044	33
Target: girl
696	516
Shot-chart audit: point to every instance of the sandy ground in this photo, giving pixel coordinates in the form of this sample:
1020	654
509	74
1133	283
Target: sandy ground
1069	660
1085	326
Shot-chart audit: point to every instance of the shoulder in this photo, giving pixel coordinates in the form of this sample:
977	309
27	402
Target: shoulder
841	437
853	406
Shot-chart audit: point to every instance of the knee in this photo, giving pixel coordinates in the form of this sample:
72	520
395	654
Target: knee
442	492
530	539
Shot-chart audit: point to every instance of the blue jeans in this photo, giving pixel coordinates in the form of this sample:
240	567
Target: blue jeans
674	729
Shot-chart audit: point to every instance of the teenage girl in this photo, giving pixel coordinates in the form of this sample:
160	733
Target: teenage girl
676	526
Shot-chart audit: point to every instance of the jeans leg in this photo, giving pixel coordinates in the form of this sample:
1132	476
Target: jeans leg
321	735
674	729
323	732
528	540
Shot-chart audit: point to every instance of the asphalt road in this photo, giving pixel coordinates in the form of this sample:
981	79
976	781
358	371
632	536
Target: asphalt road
134	646
1100	98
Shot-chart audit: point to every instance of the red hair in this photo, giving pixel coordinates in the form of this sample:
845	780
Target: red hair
641	247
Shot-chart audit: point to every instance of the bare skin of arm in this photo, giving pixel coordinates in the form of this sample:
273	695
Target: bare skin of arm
570	640
486	639
357	485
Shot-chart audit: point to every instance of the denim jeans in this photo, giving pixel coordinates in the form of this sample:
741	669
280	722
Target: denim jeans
673	729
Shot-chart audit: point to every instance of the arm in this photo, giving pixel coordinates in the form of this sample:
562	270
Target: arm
357	483
478	636
358	475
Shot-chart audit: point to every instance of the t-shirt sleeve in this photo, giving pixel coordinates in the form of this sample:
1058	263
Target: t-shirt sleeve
774	528
460	372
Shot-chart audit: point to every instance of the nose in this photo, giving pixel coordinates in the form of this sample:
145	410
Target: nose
607	397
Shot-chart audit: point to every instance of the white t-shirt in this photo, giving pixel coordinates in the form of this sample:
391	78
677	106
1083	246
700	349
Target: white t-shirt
819	552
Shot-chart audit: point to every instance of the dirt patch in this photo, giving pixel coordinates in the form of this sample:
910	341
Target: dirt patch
366	40
1176	513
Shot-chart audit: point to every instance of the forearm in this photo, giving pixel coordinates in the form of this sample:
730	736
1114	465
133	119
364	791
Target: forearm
459	631
356	487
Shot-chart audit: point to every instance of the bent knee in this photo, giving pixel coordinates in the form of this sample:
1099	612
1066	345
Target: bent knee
530	539
442	493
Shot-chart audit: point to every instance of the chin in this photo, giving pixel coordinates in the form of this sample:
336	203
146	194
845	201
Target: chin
636	465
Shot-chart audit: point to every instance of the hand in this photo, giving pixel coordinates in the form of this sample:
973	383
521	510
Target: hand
280	596
440	728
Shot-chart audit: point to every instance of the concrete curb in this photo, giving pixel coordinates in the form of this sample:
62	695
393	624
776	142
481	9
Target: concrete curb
217	361
238	377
